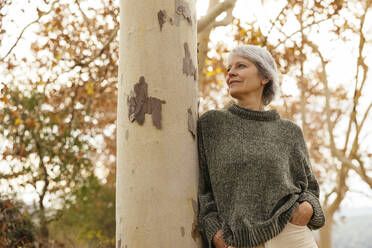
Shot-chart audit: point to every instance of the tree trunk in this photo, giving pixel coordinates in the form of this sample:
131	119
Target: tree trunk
44	232
325	237
157	111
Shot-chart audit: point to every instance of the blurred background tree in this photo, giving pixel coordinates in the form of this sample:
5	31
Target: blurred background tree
58	107
16	228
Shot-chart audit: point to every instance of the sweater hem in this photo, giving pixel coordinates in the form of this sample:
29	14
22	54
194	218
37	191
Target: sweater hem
248	237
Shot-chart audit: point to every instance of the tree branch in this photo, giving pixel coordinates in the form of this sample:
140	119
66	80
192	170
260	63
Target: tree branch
294	33
226	21
362	172
276	19
216	11
360	62
106	44
341	157
82	12
41	14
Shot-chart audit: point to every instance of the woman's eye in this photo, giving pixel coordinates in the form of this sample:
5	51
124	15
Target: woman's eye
241	65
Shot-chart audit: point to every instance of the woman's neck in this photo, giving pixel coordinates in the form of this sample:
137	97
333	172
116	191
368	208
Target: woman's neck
251	105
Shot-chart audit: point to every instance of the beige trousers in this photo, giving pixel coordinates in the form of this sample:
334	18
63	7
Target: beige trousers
292	236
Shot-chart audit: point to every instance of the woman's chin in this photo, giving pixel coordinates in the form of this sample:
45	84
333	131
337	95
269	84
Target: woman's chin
234	93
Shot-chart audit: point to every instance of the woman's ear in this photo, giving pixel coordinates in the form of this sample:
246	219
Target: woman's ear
265	81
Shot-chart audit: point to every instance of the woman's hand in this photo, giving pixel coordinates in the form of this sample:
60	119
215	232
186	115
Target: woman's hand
218	240
302	214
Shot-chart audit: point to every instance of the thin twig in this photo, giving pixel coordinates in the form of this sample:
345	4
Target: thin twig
28	25
276	19
106	44
304	27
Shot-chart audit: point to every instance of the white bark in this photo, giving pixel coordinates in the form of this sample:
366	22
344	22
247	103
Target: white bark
157	167
214	11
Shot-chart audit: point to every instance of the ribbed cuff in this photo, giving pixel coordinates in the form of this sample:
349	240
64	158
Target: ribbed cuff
318	218
211	226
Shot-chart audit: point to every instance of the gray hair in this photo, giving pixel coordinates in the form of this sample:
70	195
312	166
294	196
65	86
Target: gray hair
265	64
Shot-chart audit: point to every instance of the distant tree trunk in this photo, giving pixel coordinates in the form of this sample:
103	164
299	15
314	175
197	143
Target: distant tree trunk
325	232
157	112
44	232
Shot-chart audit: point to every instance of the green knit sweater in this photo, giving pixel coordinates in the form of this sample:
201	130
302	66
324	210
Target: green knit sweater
254	172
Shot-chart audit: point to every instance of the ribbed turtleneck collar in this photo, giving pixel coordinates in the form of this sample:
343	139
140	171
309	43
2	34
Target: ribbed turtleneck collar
258	115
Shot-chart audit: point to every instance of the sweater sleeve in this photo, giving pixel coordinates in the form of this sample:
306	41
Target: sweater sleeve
311	193
208	214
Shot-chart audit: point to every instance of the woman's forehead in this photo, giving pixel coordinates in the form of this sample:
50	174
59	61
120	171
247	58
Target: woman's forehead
236	59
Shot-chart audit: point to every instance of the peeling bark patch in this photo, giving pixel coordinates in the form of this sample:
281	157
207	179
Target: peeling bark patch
163	18
119	243
195	207
188	66
162	15
155	110
139	104
197	52
195	231
198	107
191	123
183	9
182	231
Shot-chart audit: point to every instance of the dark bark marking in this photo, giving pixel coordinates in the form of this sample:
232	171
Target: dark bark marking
139	104
126	134
198	107
195	207
197	52
119	243
132	171
162	16
195	229
182	231
191	122
155	111
183	9
188	66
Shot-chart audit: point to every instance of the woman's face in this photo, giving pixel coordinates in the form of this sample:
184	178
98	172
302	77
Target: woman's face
243	78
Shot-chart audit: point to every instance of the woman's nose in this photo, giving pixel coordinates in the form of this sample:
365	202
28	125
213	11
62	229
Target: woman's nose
231	72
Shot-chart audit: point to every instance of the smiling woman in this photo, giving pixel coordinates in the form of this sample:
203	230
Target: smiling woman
256	185
244	79
252	69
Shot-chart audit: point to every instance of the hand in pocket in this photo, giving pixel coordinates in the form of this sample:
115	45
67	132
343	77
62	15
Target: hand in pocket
302	214
218	240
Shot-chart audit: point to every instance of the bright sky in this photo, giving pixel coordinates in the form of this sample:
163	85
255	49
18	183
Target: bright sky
341	55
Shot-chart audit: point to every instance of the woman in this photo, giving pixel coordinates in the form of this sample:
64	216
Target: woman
256	185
